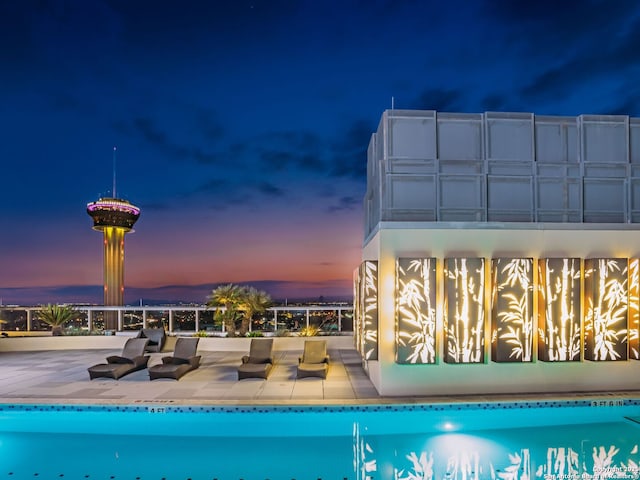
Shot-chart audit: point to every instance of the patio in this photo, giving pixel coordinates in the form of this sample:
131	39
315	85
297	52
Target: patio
60	376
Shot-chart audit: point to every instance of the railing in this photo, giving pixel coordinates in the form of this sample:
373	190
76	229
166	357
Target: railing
330	319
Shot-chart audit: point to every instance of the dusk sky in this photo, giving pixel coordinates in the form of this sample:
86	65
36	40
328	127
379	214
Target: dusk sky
241	127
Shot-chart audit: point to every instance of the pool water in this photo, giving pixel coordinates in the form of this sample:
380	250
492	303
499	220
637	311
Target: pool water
509	441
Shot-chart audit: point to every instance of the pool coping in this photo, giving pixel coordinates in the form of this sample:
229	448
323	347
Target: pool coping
592	401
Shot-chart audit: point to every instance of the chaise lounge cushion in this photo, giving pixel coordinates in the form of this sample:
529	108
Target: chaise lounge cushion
314	361
117	366
184	360
157	338
259	362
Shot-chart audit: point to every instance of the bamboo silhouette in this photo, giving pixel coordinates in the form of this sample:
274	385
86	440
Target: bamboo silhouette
634	309
370	334
465	337
562	335
416	316
517	319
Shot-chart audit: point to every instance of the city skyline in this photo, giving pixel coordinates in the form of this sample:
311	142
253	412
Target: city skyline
241	127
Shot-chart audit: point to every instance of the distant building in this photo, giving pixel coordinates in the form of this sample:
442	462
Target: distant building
114	217
507	242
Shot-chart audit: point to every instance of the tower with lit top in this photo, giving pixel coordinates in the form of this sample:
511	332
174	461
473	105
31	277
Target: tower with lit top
113	217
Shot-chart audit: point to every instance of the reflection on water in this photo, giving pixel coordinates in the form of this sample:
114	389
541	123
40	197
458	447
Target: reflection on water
470	442
587	451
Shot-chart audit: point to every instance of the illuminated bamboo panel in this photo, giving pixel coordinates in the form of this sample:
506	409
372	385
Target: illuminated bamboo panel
368	337
416	310
357	307
464	311
559	310
634	309
512	309
606	300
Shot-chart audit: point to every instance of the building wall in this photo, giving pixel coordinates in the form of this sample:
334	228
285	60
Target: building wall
395	240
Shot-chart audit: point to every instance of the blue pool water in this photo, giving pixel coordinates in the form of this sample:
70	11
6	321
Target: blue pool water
571	440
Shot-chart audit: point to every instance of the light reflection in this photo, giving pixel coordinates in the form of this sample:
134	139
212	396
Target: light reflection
593	453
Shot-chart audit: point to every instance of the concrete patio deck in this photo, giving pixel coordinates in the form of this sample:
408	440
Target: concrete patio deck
60	376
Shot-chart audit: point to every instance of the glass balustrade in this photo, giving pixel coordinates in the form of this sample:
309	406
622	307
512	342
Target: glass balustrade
16	320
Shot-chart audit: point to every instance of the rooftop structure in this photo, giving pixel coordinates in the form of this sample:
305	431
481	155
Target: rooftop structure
507	242
503	167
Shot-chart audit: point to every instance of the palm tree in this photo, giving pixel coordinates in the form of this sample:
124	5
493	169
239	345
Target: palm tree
56	316
230	297
254	301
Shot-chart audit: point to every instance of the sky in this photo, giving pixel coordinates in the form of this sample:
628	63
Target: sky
241	127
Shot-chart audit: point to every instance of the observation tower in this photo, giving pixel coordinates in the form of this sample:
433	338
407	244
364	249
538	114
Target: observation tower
114	217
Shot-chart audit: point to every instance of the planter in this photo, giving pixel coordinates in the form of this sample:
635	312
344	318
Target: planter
19	344
215	344
219	344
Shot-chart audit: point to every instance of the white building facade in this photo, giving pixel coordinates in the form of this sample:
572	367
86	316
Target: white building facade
501	254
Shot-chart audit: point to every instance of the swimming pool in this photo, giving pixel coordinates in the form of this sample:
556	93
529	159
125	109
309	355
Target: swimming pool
553	440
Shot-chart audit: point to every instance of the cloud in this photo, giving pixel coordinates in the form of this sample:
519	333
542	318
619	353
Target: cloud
213	185
494	102
345	203
155	136
349	153
270	190
627	101
439	99
567	46
546	24
280	150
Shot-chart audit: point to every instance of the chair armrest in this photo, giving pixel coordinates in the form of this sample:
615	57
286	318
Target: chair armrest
174	360
257	361
195	361
141	360
326	359
119	359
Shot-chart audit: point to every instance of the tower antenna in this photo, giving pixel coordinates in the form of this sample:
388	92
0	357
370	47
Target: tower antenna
114	173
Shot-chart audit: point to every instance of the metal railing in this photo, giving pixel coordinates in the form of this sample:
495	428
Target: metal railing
329	319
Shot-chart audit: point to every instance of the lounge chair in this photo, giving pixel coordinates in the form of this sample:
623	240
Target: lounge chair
259	362
156	336
184	360
314	361
117	366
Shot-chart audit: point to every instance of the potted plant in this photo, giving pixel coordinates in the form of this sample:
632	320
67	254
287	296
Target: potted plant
230	297
253	301
240	303
56	316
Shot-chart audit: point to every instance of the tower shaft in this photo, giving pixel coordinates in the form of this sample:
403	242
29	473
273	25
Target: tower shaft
113	266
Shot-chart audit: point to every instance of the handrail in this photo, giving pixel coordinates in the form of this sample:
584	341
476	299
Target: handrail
331	318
